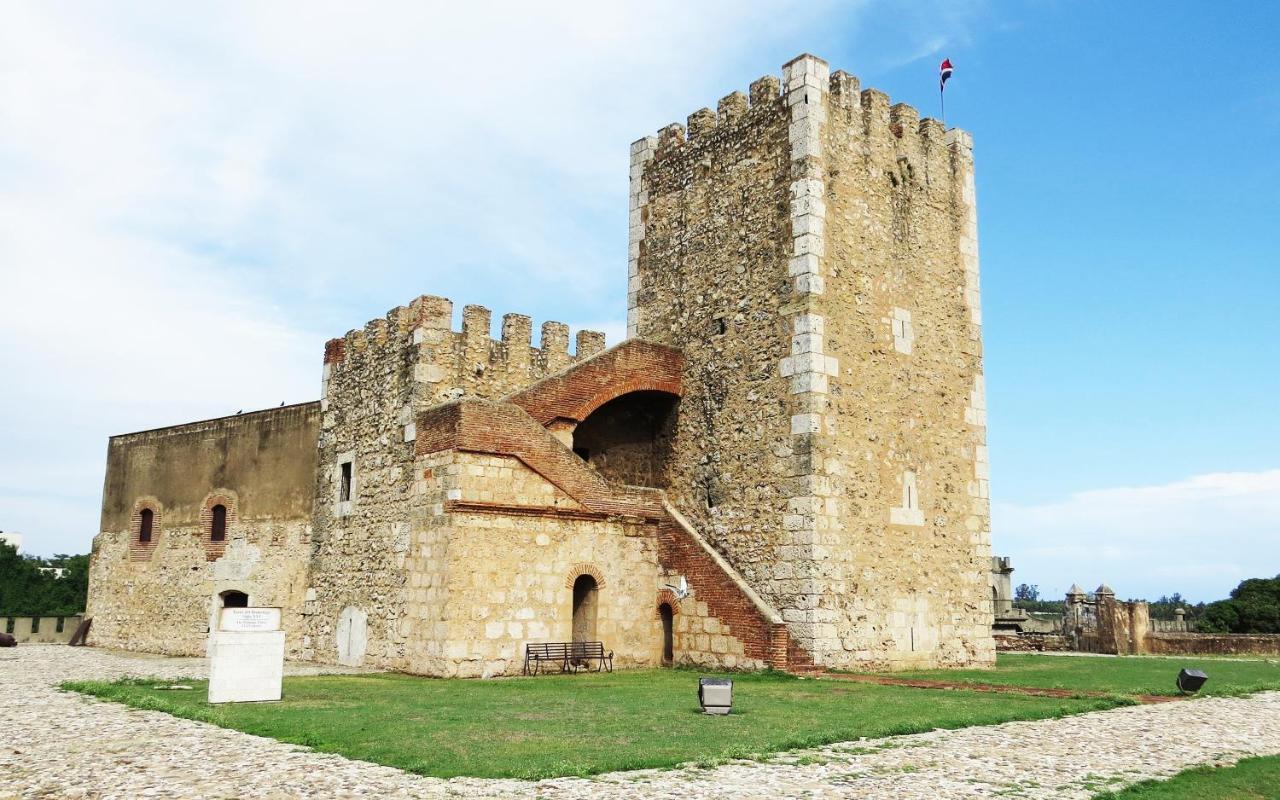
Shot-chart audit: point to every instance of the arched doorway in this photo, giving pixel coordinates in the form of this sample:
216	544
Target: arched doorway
586	601
628	439
668	634
234	599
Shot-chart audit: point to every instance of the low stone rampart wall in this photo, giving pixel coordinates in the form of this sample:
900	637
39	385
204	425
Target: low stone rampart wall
1226	644
1032	643
41	630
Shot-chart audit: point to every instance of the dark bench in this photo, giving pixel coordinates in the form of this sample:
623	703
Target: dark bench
570	656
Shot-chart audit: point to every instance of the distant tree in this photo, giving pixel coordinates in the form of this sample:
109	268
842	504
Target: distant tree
1254	607
27	590
1165	607
1027	591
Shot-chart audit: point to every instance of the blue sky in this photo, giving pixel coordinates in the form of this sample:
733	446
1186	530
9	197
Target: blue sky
184	188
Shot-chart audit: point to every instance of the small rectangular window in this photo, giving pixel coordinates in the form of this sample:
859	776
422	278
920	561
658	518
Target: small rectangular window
61	623
35	624
344	489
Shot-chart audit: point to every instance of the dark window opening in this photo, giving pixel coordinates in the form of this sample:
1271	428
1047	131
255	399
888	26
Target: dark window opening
144	525
585	605
628	439
218	528
35	624
234	599
344	488
61	622
8	625
668	634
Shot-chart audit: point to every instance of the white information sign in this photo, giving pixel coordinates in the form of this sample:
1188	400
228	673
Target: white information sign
249	620
246	658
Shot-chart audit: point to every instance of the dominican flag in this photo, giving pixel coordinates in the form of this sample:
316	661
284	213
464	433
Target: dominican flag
944	72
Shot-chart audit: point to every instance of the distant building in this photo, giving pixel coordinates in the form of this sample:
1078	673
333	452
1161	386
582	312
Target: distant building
14	539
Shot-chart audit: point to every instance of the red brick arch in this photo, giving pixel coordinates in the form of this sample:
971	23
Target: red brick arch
228	499
580	569
669	597
139	550
614	391
633	366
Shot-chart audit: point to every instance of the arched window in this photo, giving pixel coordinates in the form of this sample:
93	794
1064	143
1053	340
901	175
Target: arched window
585	603
234	599
668	634
145	520
218	525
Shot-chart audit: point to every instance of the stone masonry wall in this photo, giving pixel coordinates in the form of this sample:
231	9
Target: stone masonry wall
813	254
709	245
904	562
375	383
161	596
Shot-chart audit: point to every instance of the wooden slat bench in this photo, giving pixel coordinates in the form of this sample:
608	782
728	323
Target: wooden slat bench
571	656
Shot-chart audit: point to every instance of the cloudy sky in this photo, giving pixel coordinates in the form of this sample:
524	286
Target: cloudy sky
192	199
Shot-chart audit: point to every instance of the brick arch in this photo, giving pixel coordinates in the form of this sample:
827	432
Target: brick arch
632	366
614	391
580	569
669	597
231	501
138	550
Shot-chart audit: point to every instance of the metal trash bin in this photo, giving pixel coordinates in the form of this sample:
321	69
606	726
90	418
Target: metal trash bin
1190	680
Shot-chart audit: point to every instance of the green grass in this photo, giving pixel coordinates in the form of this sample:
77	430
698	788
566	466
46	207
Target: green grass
1128	675
1250	779
580	724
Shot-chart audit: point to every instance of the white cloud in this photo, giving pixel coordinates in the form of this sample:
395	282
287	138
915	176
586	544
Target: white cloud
1200	536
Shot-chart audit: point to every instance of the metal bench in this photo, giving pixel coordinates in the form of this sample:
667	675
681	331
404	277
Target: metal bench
571	656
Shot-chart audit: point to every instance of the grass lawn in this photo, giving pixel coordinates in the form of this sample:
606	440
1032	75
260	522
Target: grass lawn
581	724
1251	779
1127	675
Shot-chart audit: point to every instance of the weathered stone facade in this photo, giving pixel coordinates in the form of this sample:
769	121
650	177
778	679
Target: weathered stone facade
161	595
813	253
785	465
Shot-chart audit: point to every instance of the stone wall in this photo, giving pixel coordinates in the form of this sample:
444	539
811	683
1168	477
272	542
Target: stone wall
812	252
41	630
160	596
376	381
1225	644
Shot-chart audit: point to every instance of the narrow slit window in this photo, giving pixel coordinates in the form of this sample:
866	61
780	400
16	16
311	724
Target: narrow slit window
218	526
344	488
910	497
146	519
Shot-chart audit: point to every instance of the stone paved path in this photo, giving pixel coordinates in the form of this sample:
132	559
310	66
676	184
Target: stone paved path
56	744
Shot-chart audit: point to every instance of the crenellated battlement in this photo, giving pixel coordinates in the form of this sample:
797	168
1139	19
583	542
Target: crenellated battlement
464	360
869	112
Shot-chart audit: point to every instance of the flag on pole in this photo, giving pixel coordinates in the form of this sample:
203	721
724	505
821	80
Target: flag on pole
944	72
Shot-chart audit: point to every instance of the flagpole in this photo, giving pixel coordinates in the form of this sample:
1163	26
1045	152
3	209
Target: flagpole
942	98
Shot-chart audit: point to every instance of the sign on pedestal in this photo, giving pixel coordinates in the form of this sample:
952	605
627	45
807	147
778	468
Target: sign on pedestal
246	662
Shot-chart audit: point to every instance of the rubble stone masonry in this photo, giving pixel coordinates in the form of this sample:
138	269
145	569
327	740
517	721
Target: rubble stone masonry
161	596
812	253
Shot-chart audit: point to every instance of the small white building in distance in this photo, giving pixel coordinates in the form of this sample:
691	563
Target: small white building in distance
14	539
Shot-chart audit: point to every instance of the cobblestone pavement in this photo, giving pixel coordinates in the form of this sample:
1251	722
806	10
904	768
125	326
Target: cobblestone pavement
58	744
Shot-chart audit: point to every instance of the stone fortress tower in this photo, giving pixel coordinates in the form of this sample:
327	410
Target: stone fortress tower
812	251
783	466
